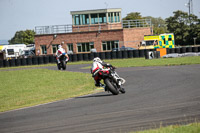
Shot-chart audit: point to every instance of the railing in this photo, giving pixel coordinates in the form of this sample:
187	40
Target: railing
54	29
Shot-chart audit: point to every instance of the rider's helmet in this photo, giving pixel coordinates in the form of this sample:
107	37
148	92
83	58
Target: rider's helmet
97	59
59	46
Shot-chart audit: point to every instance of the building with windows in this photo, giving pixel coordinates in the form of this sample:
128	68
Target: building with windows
101	29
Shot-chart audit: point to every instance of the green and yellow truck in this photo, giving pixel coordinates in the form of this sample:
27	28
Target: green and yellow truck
158	41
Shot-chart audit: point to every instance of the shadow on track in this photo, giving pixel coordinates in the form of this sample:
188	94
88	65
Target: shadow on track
95	95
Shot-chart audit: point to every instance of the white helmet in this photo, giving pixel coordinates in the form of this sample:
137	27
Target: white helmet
97	59
59	46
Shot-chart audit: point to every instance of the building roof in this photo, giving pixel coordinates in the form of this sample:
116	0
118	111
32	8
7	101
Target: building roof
96	11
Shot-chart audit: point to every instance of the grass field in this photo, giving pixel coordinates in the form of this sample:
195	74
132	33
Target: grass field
23	88
190	128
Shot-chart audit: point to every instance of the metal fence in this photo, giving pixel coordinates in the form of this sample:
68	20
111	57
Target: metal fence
54	29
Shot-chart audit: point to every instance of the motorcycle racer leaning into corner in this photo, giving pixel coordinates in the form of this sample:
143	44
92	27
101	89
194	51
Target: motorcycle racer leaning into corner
61	52
100	66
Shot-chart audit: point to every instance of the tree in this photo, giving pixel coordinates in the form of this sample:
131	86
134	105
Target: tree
23	37
159	25
133	16
184	27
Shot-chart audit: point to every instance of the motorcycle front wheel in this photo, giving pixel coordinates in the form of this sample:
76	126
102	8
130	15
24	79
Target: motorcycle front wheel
111	87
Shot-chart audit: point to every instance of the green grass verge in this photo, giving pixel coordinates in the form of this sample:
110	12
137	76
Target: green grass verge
142	62
23	88
190	128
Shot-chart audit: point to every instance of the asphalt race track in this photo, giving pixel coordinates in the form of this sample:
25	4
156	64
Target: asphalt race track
156	96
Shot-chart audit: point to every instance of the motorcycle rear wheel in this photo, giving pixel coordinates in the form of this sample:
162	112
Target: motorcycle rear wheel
63	65
111	88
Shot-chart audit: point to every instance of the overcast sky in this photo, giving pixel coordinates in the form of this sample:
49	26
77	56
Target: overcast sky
16	15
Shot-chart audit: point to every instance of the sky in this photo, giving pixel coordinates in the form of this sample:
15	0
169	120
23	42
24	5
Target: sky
17	15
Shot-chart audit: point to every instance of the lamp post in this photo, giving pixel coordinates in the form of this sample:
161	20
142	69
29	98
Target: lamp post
195	40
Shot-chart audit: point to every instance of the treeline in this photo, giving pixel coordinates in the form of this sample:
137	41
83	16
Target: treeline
185	27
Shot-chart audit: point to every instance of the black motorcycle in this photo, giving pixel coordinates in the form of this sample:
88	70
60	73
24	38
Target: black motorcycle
63	62
113	83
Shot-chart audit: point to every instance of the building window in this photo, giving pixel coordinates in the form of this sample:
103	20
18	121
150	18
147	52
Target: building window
109	45
110	17
102	18
55	48
70	46
94	19
43	49
85	47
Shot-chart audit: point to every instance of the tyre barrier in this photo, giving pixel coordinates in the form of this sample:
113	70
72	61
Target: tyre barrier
177	50
17	62
114	55
124	54
119	54
23	61
46	59
5	63
12	62
28	61
52	59
1	63
85	57
108	55
183	50
141	53
40	60
194	49
74	57
135	53
91	56
35	60
189	49
130	54
171	50
102	55
79	57
96	55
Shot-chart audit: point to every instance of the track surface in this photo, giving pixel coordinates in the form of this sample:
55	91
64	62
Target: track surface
155	96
